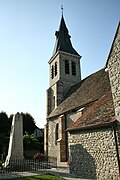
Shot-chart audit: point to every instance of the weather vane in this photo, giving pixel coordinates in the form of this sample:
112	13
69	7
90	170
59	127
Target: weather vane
62	8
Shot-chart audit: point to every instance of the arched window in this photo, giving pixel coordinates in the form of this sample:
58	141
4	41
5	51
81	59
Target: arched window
55	68
52	72
56	133
73	68
67	71
53	102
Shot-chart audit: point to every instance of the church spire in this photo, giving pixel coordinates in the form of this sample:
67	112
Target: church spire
63	42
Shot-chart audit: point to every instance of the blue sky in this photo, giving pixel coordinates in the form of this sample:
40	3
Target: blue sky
27	29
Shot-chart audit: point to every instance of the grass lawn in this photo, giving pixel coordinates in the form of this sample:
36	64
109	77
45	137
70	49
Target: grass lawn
40	177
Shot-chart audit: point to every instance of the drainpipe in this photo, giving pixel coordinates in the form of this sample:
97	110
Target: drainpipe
116	144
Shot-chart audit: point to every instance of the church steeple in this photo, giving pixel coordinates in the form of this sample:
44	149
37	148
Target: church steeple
63	42
64	68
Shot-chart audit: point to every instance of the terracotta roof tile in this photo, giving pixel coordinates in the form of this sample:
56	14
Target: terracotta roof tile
100	113
86	91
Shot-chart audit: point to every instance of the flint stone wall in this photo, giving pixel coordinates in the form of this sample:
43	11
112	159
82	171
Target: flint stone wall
92	154
114	73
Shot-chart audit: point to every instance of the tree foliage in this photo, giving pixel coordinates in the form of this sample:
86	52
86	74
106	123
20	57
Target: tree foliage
31	142
28	123
4	123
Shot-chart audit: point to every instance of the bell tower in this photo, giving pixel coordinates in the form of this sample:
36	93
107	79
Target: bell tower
64	68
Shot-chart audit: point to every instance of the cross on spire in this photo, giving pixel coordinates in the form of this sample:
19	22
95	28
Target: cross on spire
62	9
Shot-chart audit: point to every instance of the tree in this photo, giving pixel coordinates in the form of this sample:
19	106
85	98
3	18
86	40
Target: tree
10	118
30	142
4	132
4	123
28	123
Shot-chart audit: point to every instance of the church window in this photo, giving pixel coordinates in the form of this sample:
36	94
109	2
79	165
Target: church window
53	102
73	68
56	133
52	72
55	68
67	67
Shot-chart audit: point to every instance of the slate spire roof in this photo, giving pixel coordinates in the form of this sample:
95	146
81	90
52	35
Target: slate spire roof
63	42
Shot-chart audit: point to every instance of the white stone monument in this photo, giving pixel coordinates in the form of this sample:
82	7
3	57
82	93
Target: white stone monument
15	150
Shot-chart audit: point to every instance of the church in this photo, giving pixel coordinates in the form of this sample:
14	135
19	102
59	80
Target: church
83	115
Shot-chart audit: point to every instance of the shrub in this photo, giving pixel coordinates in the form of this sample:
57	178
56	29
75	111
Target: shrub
39	156
30	142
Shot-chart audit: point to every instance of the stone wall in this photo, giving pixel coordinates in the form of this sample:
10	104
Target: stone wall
57	147
46	139
92	154
52	147
60	58
114	72
73	116
69	77
52	63
61	82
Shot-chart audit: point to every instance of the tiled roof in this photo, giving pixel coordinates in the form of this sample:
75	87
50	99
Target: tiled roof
101	113
88	90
